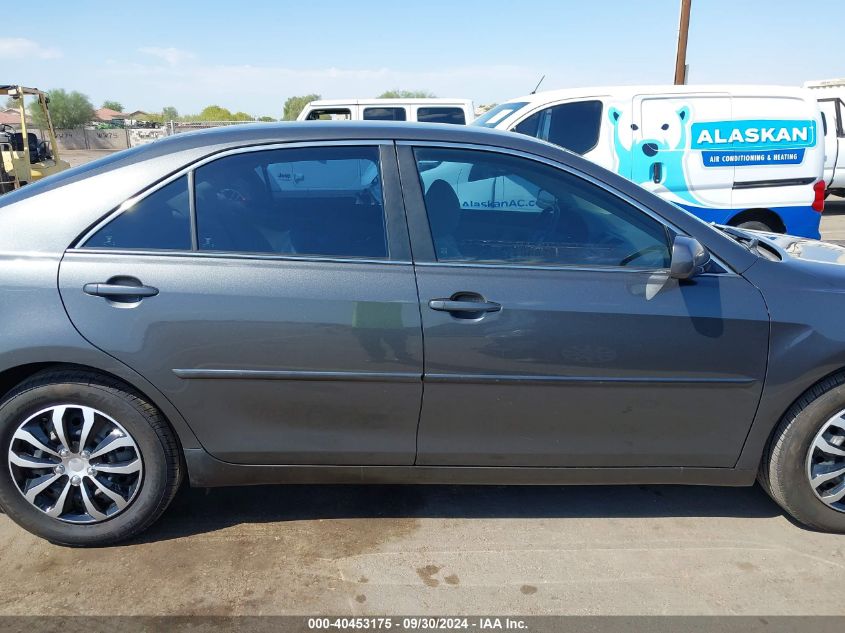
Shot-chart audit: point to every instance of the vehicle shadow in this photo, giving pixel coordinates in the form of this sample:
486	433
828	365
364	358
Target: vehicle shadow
834	206
198	511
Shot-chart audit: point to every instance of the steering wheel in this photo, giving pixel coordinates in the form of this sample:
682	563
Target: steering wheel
6	129
231	194
654	248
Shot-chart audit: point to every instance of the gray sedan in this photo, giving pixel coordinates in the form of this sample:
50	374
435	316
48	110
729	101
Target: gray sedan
398	303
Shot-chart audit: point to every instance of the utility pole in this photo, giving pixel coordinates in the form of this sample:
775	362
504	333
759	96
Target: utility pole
683	33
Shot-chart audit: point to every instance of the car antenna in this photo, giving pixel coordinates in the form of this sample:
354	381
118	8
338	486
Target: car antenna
538	85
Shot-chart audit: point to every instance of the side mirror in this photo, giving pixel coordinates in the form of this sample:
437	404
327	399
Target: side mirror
689	258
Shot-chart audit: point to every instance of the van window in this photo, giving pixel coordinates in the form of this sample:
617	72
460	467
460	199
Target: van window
162	220
441	115
575	126
385	114
316	201
330	114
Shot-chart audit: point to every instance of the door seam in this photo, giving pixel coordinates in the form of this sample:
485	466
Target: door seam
419	304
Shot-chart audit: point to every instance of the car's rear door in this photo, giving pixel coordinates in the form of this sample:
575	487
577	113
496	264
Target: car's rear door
553	335
276	305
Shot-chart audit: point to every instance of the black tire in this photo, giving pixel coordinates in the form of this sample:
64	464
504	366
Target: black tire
755	225
159	452
783	471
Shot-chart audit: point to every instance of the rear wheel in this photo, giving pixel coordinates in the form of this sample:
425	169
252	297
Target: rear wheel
88	461
804	468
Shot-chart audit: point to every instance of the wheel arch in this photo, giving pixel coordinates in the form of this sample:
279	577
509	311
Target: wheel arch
13	376
754	452
767	216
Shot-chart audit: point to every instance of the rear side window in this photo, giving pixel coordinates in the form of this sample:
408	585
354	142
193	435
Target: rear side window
441	115
385	114
318	201
161	220
575	126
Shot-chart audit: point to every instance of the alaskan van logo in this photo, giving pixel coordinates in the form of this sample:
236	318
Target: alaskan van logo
753	134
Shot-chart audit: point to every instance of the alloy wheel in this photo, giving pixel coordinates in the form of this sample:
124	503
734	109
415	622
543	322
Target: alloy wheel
826	463
75	464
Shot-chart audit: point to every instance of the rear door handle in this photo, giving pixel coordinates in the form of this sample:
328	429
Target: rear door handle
451	305
119	291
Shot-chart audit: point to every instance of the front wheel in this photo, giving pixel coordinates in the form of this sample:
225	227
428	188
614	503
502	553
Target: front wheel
804	466
88	461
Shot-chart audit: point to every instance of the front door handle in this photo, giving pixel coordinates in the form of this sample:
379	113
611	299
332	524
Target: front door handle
452	305
119	291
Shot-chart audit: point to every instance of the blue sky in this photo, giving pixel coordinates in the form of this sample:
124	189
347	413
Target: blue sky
251	56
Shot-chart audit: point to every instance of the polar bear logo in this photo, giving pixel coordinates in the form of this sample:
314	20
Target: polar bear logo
664	143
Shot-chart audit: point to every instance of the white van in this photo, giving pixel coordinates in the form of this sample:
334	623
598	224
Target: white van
748	156
831	97
458	111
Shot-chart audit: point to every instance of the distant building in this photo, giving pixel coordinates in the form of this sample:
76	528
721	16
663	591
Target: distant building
107	115
11	116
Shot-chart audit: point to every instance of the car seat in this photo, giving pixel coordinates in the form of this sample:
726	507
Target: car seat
444	216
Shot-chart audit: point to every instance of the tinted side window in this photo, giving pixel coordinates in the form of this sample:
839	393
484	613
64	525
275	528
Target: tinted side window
495	208
323	201
441	115
162	220
575	126
384	114
530	126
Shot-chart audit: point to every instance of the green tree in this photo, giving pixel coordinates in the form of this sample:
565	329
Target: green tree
11	103
169	113
266	119
295	105
117	106
215	113
67	109
242	116
406	94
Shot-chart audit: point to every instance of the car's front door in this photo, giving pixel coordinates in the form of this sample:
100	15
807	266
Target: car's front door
553	335
269	295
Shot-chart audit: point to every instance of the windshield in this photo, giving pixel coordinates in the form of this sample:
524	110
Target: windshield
499	113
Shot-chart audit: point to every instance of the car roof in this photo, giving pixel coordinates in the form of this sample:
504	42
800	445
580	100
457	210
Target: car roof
305	131
178	150
624	92
388	102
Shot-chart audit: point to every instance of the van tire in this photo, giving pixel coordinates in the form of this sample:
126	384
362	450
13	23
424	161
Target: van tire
755	225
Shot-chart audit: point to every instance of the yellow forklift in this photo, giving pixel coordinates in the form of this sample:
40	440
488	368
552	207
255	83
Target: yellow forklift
24	156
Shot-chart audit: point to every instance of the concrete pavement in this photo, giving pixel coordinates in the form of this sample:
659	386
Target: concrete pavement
444	550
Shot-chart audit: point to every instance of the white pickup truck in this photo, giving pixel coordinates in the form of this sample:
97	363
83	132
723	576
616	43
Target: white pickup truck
831	98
